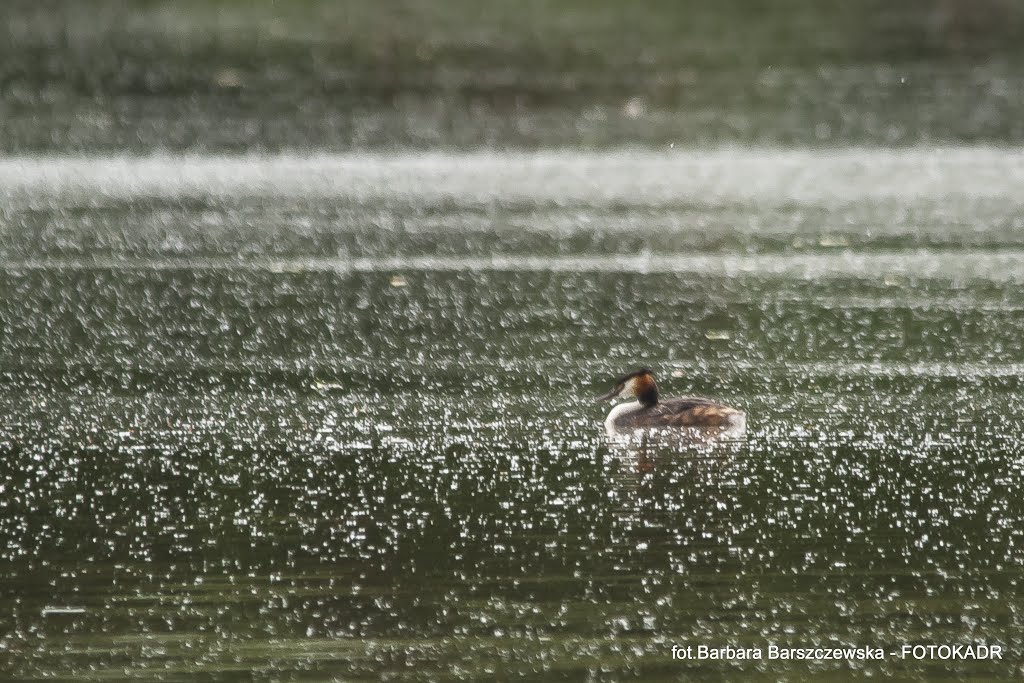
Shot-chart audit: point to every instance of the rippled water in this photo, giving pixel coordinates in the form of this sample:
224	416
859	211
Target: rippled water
331	418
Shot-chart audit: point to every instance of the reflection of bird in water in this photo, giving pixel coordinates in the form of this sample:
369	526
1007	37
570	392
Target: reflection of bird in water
667	502
701	454
693	414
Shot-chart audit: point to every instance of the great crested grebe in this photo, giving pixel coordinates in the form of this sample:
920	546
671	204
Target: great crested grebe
648	412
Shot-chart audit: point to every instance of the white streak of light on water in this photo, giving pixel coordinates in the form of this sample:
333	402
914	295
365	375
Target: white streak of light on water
964	265
768	177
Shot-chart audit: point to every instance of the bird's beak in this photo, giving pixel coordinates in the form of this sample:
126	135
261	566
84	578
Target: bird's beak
607	397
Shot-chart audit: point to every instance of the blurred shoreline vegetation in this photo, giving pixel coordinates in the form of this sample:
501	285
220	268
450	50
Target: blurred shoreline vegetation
310	74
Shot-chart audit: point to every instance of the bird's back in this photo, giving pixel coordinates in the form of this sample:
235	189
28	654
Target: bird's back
681	413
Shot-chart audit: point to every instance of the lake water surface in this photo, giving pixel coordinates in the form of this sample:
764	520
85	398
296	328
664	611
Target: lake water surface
330	417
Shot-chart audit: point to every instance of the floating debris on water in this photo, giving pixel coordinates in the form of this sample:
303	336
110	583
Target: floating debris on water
330	386
52	610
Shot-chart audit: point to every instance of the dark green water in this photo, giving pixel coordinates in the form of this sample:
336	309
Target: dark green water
119	76
329	419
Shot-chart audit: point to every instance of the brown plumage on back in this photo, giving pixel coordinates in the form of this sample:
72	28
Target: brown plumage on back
649	412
